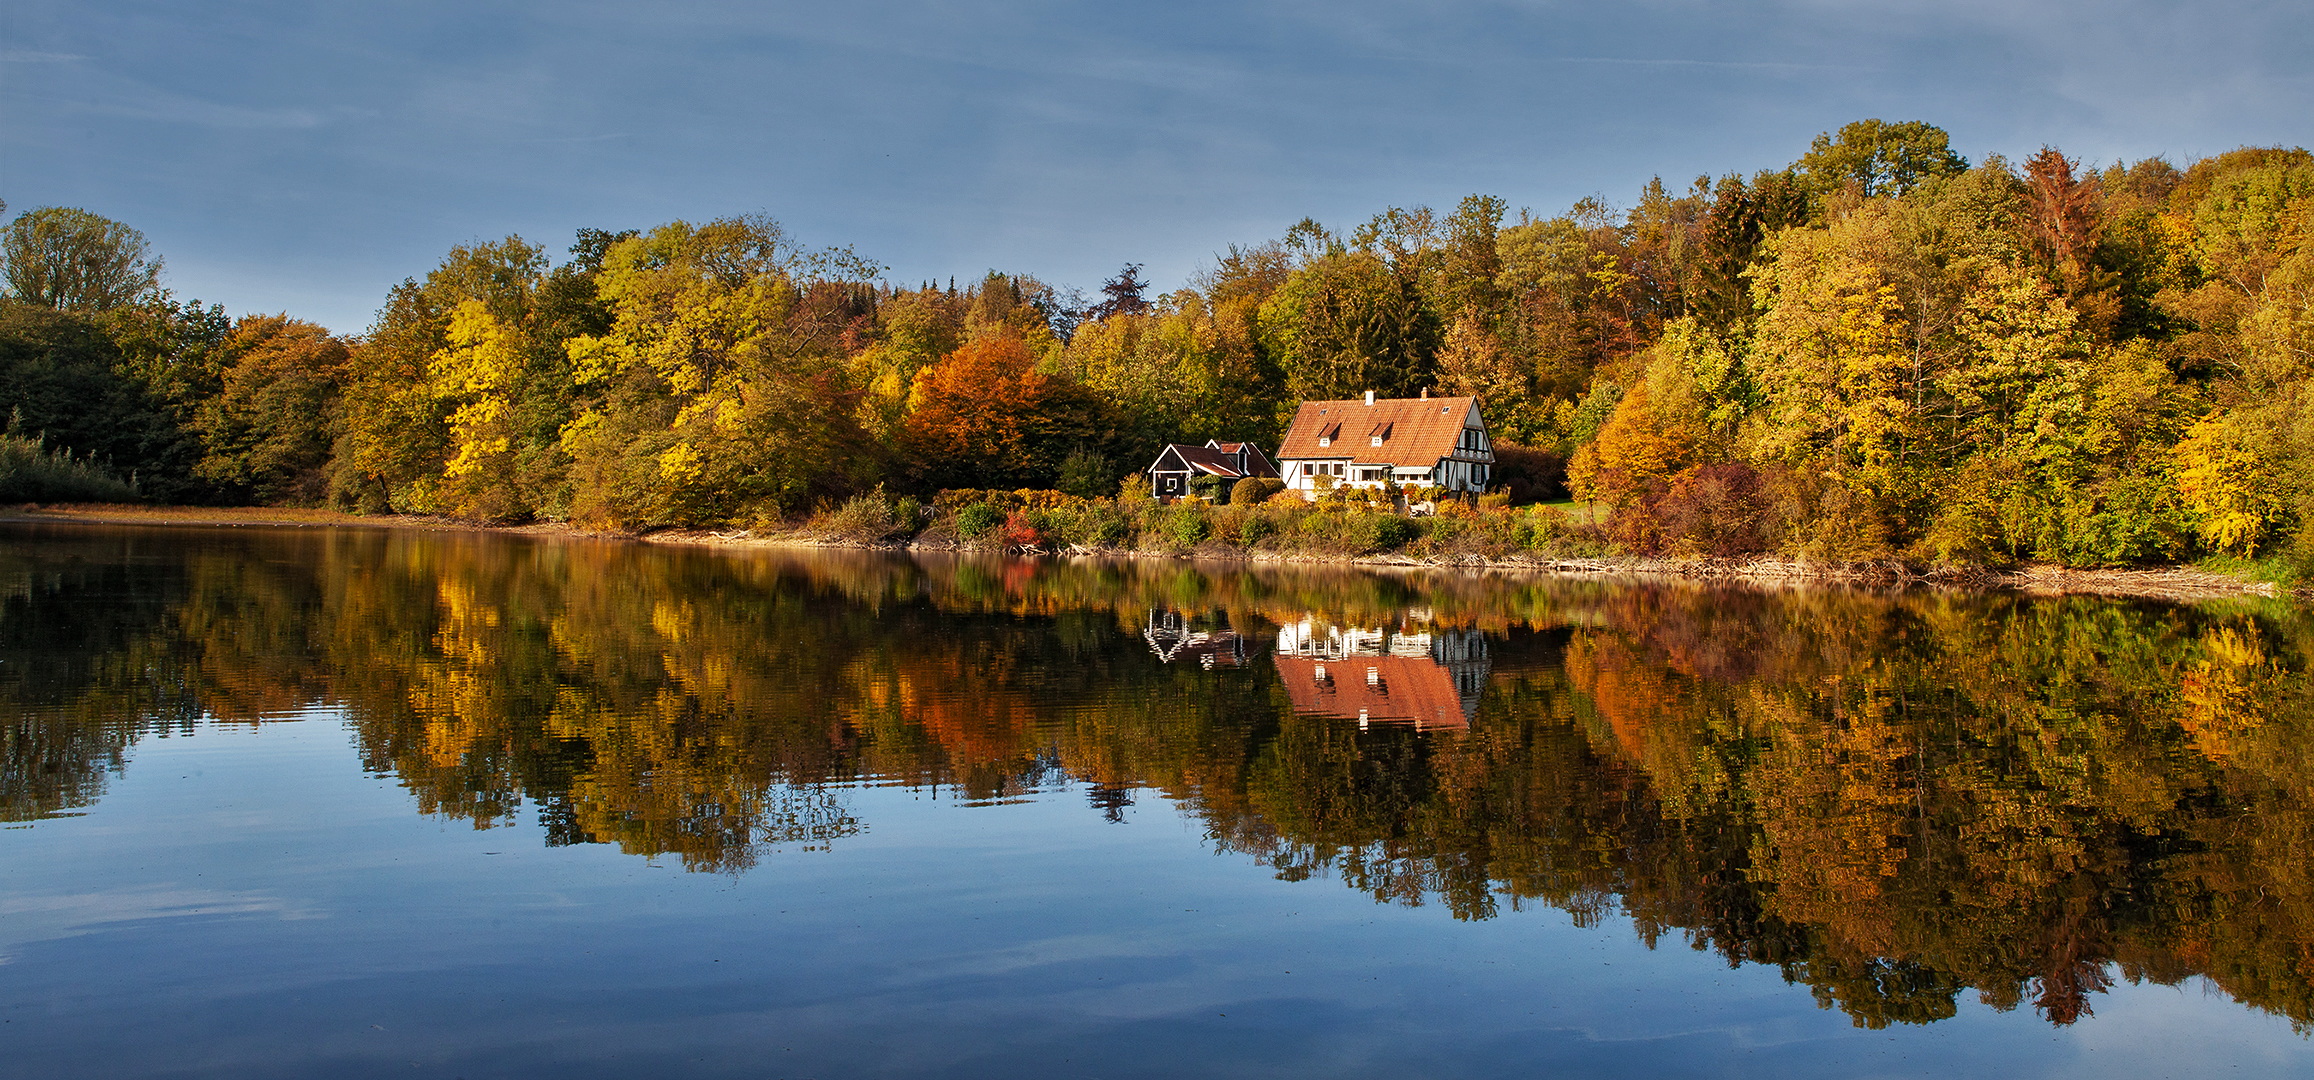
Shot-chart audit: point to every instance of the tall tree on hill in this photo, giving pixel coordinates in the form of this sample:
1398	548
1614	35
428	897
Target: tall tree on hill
1123	294
2066	226
67	258
1880	158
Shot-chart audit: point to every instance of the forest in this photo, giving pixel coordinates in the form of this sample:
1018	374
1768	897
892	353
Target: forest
1880	351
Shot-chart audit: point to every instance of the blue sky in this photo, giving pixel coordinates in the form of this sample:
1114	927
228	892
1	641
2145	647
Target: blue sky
306	156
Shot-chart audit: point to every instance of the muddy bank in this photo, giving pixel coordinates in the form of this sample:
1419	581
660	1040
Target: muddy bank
2163	583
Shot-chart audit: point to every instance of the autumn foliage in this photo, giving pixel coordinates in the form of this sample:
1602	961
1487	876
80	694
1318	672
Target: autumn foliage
1880	351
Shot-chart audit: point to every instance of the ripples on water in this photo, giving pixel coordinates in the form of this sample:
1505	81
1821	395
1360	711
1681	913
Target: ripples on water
1901	803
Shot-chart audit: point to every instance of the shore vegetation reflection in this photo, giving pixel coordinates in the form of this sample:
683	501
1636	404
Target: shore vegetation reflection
1892	797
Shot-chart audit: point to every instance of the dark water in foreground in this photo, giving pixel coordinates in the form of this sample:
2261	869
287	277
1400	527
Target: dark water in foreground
353	803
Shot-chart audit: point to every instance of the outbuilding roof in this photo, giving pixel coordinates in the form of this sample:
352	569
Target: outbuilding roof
1221	461
1413	430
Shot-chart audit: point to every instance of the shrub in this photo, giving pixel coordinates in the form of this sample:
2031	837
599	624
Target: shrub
1444	531
1713	510
1020	530
867	518
1086	473
1254	490
1187	527
953	500
1495	500
1355	532
1042	499
1388	532
1255	529
1100	525
30	472
1539	532
1209	488
974	521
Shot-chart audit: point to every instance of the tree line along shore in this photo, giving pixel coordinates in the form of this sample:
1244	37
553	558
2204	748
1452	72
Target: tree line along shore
1881	353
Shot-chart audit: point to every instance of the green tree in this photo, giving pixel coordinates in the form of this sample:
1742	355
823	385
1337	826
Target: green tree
266	433
705	406
1345	322
62	381
1880	157
64	257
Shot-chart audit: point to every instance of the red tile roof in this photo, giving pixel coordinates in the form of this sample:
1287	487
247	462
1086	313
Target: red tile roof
1401	689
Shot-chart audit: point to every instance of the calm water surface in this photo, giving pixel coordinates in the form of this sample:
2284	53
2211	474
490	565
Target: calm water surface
354	803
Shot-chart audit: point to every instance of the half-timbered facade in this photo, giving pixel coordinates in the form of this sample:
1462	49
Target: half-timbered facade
1417	442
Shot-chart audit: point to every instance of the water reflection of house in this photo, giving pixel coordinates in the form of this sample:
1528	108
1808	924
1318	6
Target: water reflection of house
1172	637
1430	678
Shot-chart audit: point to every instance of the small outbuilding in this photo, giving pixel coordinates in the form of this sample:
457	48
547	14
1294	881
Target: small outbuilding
1179	463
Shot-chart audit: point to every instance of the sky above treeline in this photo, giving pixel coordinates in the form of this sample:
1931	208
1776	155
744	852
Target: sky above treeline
303	157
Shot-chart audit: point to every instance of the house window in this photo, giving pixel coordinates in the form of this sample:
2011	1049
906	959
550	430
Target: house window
1309	469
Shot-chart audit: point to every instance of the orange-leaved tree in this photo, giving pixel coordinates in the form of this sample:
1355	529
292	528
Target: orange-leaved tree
984	416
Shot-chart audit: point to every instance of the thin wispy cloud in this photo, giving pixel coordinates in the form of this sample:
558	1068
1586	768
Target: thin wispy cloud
1734	65
169	109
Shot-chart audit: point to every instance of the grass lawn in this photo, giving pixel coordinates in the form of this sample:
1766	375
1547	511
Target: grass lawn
1580	511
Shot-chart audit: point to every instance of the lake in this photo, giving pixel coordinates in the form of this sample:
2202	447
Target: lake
344	802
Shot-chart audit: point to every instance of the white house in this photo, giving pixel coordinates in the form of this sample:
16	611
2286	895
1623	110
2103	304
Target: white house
1418	442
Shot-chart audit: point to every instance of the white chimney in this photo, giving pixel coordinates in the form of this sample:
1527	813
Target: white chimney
1369	397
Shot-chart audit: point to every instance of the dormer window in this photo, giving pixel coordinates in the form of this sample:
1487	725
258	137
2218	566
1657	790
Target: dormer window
1377	440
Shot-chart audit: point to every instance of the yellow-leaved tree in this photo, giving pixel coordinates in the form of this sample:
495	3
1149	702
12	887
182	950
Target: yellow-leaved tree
710	407
1838	375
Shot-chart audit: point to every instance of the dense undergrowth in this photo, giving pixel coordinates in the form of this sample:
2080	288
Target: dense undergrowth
32	471
1266	522
1347	525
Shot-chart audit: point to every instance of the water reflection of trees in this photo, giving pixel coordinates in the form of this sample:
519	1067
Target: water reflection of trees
1893	798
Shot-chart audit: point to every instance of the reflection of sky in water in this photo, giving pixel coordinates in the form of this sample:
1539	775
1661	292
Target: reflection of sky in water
459	836
261	907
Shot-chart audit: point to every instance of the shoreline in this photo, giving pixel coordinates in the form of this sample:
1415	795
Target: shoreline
2174	583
